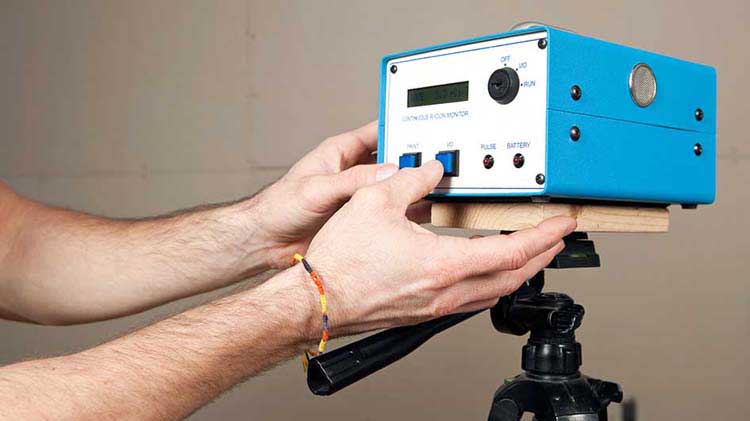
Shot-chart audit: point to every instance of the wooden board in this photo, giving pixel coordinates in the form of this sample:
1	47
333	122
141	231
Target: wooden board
516	216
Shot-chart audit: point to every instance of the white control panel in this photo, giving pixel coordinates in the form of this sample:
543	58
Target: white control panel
442	101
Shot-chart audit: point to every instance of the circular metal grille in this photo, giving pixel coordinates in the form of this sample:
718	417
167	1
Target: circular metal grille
642	85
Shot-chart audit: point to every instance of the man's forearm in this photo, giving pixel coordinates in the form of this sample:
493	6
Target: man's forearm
67	267
171	368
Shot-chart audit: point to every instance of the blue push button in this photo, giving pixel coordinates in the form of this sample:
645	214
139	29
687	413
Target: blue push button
410	160
449	159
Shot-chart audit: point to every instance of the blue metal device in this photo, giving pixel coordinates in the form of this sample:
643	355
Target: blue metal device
546	114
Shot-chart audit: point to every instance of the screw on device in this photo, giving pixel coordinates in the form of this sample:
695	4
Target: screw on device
575	133
575	92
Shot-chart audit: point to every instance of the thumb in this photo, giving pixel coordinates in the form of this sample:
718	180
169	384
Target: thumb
340	187
412	184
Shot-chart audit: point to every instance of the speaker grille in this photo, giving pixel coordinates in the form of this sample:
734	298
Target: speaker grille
642	85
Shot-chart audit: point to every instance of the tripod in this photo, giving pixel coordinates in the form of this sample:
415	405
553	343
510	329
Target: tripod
551	387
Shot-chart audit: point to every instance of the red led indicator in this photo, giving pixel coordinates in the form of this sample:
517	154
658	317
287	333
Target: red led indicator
488	161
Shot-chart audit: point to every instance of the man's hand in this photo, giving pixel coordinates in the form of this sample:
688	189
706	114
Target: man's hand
381	270
293	209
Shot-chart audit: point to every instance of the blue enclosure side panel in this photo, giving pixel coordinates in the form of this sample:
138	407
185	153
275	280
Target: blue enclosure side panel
602	71
618	160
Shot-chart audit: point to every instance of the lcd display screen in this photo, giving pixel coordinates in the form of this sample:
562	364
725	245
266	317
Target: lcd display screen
438	94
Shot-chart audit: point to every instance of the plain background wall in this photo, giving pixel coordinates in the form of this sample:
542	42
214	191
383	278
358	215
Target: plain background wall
139	107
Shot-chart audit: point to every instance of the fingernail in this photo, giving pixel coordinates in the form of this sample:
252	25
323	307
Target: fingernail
436	165
385	171
435	162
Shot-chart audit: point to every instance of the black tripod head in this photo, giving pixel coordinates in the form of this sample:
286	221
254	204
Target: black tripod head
552	319
551	386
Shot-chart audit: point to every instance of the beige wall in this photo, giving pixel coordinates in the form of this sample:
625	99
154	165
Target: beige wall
137	107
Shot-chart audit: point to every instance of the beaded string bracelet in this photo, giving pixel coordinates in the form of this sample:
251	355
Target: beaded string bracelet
324	307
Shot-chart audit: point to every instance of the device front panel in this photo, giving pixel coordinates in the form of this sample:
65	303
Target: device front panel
480	108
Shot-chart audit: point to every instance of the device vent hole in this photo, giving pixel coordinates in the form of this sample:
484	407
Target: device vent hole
642	85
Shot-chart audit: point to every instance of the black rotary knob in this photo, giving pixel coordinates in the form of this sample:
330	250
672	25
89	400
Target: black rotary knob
503	85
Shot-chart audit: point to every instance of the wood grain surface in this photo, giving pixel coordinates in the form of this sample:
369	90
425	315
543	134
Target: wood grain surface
516	216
